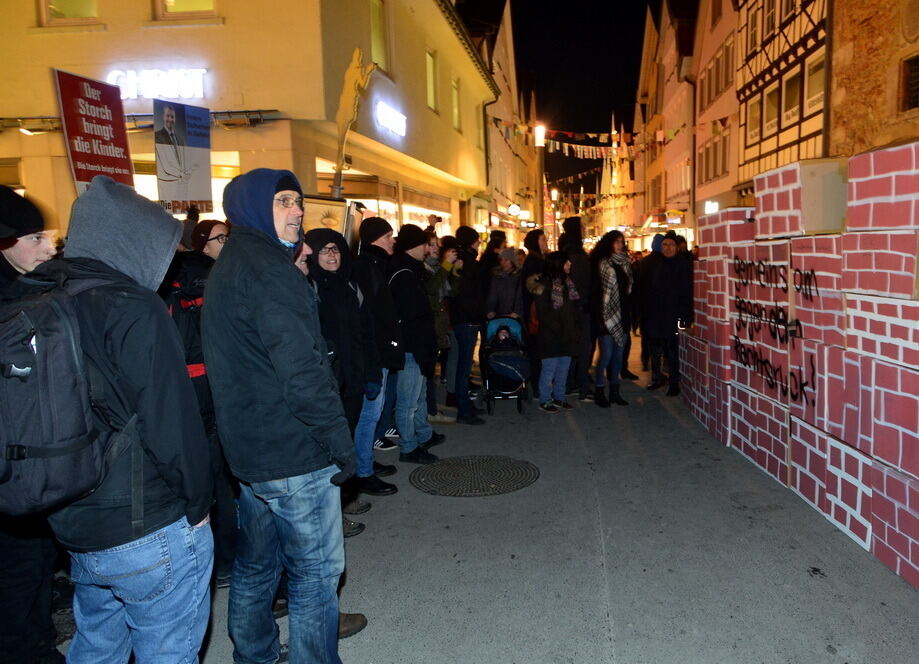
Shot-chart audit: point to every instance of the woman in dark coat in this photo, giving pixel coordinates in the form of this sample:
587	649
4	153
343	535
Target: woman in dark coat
557	338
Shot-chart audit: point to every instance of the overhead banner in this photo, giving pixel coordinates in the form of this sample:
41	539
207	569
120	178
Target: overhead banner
182	139
93	119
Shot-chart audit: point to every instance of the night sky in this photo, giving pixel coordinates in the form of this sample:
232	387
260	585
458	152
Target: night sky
582	58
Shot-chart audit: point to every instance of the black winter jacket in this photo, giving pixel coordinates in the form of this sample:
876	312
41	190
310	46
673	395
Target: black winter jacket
277	403
369	272
126	330
666	291
416	320
468	304
505	295
559	332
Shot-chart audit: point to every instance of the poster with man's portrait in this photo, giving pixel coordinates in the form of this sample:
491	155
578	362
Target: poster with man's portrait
182	142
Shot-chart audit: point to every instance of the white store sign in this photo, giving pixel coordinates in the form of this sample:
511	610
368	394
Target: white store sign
159	83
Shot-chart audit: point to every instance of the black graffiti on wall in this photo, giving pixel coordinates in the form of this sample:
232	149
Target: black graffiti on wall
755	318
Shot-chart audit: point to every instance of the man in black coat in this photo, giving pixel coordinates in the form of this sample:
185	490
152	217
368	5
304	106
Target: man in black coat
117	559
416	320
667	299
281	423
572	243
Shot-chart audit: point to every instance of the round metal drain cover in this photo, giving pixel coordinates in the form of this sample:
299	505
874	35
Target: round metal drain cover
469	476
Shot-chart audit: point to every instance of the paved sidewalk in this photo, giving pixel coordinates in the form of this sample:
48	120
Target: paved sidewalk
643	541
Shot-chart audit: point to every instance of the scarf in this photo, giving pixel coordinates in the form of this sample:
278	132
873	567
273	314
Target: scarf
611	305
558	295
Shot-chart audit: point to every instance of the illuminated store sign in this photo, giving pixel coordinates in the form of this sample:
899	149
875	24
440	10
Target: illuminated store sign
159	83
390	118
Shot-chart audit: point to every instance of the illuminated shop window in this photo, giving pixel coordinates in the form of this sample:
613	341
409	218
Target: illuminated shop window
67	12
172	9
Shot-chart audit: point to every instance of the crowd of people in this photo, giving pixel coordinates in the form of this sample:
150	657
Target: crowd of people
266	367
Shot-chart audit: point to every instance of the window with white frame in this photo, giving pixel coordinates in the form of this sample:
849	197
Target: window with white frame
814	85
184	9
430	63
754	117
791	99
68	12
771	111
753	17
379	46
769	16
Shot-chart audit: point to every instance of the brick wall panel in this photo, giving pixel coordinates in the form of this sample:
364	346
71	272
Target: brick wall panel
882	263
885	328
759	431
895	415
883	192
849	491
815	279
895	521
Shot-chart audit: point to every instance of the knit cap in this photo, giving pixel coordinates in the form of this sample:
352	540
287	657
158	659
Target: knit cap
466	236
18	215
373	228
410	236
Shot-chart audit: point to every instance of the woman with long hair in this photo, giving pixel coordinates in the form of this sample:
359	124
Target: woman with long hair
612	272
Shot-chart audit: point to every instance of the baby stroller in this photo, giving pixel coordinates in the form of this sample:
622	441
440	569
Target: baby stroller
505	367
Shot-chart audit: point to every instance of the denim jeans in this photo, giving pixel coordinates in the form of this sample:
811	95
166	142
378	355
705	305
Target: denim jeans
610	358
387	417
552	378
151	596
292	523
465	334
366	430
411	406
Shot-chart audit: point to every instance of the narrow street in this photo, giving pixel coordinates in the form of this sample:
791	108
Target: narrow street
642	542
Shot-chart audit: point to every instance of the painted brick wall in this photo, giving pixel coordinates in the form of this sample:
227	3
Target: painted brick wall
883	189
833	412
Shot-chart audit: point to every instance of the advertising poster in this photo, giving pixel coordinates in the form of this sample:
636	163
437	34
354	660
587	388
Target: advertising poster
93	119
182	140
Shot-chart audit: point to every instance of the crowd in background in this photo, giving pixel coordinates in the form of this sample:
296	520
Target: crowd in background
305	357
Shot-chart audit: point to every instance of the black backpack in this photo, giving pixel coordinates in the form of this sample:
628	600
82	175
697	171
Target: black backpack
51	451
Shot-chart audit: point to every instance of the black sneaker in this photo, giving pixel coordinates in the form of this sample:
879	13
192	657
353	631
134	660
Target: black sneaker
628	375
351	528
356	506
374	486
418	455
563	405
548	407
654	384
383	469
392	432
435	439
384	444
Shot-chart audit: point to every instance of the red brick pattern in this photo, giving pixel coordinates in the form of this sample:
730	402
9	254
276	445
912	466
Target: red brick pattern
883	189
883	327
778	202
759	431
807	382
808	463
848	491
895	521
694	375
815	287
881	263
895	432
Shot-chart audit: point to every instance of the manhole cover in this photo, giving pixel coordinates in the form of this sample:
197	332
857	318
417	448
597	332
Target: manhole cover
474	476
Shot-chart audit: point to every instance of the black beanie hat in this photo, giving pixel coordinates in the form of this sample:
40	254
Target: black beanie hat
288	183
466	236
373	228
410	236
18	215
201	232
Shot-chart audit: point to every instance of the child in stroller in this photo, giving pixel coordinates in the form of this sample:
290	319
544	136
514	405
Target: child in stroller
505	366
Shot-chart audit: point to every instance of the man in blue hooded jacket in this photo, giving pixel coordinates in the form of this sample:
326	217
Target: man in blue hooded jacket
282	424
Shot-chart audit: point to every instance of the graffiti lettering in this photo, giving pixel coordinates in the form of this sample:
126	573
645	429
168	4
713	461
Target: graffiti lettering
806	283
795	385
767	275
752	316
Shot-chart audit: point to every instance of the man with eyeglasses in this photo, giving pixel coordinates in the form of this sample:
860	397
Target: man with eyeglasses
281	423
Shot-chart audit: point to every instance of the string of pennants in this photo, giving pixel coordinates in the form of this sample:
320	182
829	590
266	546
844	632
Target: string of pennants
613	145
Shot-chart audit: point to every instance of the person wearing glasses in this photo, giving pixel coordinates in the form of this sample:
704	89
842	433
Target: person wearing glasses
183	291
281	421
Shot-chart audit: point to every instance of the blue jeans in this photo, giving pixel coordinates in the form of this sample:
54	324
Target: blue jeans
465	334
387	417
292	523
151	596
552	378
411	406
366	429
611	355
